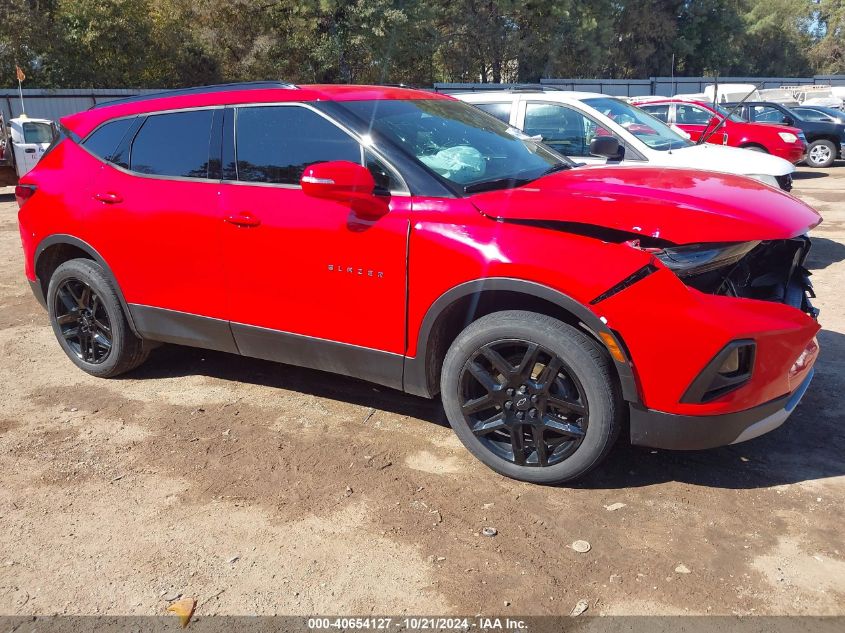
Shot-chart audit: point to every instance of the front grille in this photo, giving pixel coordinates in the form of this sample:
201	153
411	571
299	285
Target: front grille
773	271
785	182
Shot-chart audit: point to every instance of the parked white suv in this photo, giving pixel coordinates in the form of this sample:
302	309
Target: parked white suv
570	122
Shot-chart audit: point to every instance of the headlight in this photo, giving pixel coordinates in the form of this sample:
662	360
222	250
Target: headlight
766	179
694	259
788	137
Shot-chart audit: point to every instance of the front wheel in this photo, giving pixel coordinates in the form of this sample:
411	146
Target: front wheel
821	154
533	398
89	322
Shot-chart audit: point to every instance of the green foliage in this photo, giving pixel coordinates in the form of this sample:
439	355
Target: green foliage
829	52
168	43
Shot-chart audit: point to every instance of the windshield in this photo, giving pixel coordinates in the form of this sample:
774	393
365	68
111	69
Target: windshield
463	145
651	131
37	133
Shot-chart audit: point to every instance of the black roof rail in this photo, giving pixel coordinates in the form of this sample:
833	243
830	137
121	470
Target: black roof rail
178	92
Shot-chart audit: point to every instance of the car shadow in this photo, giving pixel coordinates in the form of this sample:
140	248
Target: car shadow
173	361
7	197
808	175
824	252
809	446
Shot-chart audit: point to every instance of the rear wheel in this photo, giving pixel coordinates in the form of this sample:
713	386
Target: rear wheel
821	154
89	322
531	397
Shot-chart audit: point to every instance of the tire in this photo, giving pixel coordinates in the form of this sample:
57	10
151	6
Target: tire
821	154
577	409
86	314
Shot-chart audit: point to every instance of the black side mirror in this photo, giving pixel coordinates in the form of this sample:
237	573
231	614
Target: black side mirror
608	147
788	120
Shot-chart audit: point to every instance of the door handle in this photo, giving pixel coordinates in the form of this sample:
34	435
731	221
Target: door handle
242	219
108	198
30	150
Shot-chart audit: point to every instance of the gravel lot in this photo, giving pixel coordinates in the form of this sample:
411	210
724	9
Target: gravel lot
262	489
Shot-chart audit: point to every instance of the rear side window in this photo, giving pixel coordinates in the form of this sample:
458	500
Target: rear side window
106	138
501	111
657	111
276	143
690	115
174	144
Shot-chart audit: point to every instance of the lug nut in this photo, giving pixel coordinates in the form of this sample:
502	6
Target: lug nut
520	415
510	392
534	399
508	404
532	414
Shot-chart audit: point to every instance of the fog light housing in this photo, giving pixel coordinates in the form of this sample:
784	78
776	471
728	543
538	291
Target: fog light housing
729	370
804	361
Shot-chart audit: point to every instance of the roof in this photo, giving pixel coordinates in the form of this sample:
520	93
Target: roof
547	95
232	94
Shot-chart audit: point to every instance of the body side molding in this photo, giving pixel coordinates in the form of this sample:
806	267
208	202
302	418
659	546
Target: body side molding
380	367
182	328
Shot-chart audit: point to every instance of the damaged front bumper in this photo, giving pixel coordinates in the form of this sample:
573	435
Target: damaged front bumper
658	429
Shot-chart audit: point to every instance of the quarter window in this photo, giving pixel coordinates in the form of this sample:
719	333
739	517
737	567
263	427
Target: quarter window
276	143
174	144
106	138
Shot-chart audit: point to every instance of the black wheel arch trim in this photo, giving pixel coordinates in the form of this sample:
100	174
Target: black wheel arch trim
415	373
59	239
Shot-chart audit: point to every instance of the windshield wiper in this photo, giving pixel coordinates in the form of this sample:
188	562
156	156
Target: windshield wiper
555	168
496	183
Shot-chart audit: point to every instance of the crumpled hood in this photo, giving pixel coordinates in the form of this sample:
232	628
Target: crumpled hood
679	205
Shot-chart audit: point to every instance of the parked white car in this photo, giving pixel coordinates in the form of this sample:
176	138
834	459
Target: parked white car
23	142
570	121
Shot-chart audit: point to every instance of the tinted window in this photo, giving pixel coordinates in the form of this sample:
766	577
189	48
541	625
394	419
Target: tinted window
173	145
276	143
658	111
501	111
37	133
690	115
766	114
105	139
813	115
565	129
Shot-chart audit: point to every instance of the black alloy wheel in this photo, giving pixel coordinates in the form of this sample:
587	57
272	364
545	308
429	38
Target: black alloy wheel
531	397
83	320
89	320
523	403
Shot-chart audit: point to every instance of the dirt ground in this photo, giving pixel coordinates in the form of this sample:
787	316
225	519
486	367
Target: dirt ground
267	489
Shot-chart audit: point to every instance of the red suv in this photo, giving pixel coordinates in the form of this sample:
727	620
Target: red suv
697	118
412	240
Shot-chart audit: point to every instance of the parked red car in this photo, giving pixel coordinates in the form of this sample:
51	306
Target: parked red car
698	117
414	241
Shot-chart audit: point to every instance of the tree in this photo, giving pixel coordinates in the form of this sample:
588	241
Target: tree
829	52
777	39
